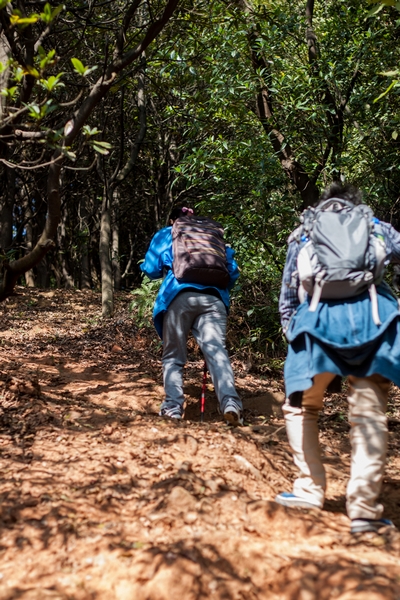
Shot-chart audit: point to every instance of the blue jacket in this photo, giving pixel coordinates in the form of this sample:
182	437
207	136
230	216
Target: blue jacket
159	257
340	336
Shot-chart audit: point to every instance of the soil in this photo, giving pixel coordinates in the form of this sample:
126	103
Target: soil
101	499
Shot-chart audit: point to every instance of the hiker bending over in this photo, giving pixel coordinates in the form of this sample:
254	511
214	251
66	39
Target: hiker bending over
199	270
340	319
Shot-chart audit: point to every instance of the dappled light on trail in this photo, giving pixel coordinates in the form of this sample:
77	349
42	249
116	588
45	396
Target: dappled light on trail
101	498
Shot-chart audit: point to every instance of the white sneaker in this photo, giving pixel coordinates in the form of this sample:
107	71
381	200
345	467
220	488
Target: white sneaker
233	413
174	412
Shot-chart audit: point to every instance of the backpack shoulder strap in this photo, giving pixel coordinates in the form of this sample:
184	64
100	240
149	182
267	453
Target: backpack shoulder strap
295	235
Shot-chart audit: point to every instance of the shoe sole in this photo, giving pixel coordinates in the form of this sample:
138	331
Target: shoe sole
170	417
295	503
232	419
370	529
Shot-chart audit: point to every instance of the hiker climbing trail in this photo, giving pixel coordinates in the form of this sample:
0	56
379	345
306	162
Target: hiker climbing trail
101	498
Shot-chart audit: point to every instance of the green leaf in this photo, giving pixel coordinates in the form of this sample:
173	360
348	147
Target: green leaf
90	131
89	70
101	147
34	111
374	11
390	73
52	82
9	92
100	150
78	66
386	91
46	14
49	15
57	11
395	135
16	19
103	144
18	73
31	71
3	3
47	59
68	153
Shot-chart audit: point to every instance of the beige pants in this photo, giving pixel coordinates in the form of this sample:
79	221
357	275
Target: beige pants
367	407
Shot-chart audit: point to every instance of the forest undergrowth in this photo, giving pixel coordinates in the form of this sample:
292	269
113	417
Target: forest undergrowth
102	499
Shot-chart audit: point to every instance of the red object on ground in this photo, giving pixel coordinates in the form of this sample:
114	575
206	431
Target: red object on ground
203	392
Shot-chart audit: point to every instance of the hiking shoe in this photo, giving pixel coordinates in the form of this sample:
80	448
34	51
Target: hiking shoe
233	413
363	525
174	412
288	499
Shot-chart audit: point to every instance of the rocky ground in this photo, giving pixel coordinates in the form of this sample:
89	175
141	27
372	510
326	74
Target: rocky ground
101	499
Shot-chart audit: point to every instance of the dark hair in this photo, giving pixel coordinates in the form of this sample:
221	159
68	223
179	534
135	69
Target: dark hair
345	191
180	211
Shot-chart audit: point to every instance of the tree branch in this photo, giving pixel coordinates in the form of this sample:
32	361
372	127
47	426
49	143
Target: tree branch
119	46
264	110
15	269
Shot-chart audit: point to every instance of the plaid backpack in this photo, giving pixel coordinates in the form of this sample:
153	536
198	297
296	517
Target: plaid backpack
342	252
199	251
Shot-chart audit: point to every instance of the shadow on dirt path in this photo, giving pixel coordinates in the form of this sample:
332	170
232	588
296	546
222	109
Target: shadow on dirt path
102	499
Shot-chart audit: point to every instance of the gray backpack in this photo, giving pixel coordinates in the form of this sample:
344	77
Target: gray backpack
342	252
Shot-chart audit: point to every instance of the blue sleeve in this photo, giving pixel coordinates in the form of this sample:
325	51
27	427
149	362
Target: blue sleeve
232	267
159	254
392	241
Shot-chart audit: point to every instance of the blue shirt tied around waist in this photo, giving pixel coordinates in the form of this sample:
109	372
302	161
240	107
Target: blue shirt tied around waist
159	257
340	336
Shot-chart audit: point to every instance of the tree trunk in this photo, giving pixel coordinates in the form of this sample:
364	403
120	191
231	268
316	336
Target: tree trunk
62	254
43	278
7	209
116	263
29	275
107	292
85	278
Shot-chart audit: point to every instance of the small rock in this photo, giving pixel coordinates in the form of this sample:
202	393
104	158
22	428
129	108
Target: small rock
180	500
243	462
190	517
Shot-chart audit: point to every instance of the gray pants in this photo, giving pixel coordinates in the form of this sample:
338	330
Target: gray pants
205	315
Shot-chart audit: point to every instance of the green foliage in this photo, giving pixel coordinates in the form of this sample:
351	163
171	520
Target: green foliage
205	144
80	68
52	82
38	113
9	92
17	20
48	15
143	301
46	60
394	73
89	131
206	85
101	147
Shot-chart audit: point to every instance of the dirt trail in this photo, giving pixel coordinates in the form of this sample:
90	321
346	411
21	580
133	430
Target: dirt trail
102	499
